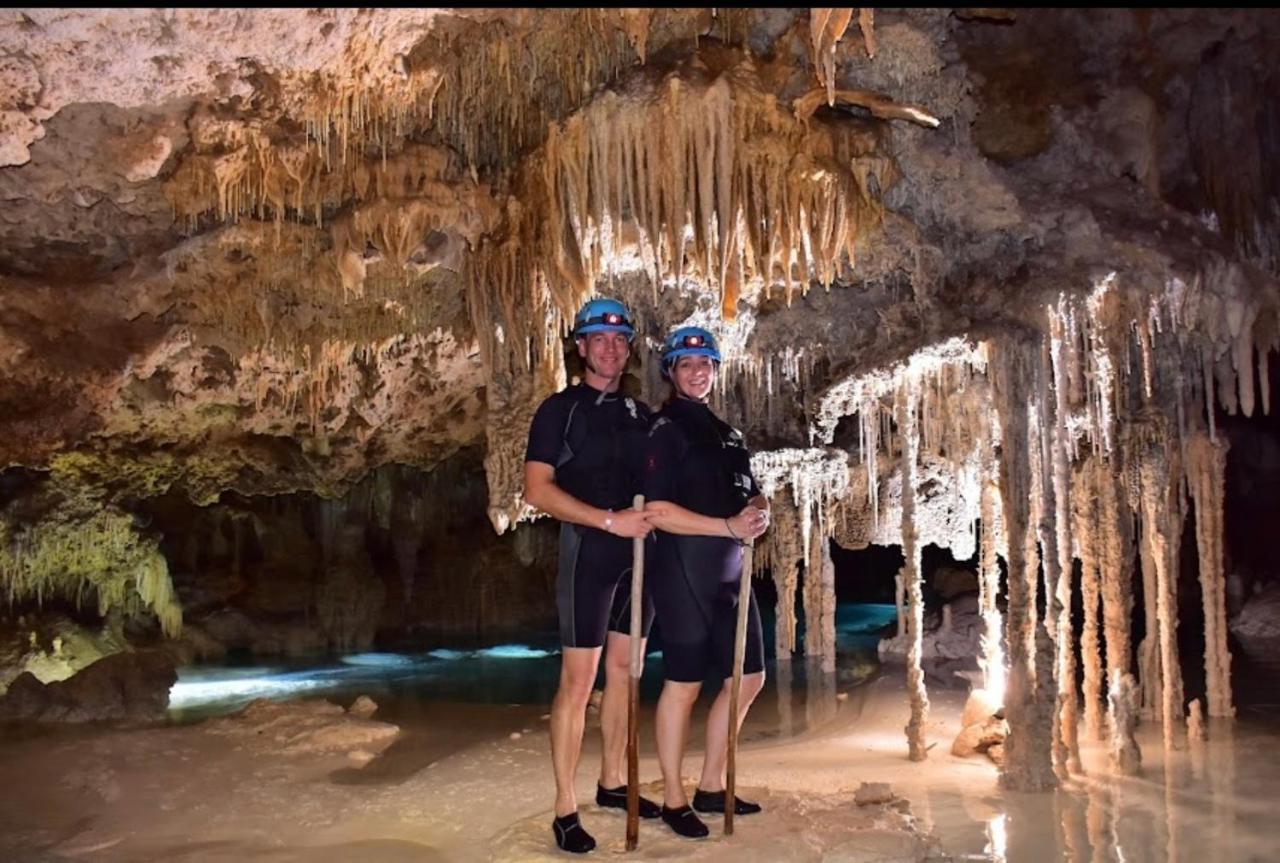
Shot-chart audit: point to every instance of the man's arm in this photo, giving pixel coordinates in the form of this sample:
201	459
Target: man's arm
541	492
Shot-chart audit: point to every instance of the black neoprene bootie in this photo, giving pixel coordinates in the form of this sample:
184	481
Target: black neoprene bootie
616	798
685	822
570	835
713	801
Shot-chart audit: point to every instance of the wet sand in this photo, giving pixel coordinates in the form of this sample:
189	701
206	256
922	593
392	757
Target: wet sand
472	783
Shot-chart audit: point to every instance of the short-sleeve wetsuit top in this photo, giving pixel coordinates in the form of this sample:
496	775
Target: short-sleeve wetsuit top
595	441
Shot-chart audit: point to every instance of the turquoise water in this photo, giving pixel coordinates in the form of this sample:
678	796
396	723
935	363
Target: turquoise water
513	673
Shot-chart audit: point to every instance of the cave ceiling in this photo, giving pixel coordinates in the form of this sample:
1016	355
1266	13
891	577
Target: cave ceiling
271	250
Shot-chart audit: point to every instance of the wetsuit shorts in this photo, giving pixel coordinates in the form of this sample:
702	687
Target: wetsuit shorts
593	587
695	588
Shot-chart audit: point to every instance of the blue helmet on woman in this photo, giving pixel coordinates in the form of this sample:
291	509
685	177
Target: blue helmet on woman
688	342
603	315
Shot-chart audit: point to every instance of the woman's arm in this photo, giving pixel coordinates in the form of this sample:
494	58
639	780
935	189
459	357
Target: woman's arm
673	518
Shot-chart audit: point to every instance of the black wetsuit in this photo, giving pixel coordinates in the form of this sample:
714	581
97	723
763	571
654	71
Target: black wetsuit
595	442
700	462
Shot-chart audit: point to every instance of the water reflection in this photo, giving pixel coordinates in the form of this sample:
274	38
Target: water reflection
997	841
1185	805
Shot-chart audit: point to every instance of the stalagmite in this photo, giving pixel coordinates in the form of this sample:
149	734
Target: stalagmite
1122	698
1195	723
907	422
1206	472
1027	765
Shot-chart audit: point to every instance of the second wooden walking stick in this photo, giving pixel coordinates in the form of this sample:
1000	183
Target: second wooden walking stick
633	703
739	654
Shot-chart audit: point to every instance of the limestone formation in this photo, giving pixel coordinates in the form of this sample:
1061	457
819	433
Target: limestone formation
1122	697
281	289
131	686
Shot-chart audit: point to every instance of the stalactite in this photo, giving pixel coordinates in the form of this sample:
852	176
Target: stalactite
1027	765
900	600
1060	334
1206	474
826	28
800	533
906	409
781	548
1116	563
1157	462
1089	532
820	605
83	549
866	23
992	659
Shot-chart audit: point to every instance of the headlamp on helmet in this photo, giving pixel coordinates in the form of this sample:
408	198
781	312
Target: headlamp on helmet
603	316
688	342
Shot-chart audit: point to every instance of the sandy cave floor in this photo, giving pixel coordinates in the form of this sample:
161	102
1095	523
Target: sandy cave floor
472	782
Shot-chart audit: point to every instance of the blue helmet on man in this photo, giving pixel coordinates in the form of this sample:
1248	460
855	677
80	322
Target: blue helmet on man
603	315
688	342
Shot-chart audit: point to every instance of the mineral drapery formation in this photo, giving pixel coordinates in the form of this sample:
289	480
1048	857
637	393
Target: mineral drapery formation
962	302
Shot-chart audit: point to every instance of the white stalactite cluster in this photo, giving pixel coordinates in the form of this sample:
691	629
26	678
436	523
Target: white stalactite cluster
801	529
1082	443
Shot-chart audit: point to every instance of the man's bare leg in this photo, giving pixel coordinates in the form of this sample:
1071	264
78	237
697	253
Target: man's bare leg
613	709
568	718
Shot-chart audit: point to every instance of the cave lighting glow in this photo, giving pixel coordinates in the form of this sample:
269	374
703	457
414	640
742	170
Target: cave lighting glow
513	651
256	683
378	660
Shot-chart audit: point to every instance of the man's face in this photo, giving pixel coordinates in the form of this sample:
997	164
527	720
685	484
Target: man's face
694	376
605	353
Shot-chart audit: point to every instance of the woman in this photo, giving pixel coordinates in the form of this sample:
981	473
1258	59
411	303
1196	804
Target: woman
705	504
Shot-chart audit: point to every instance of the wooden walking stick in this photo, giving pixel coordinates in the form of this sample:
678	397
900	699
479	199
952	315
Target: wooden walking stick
739	654
633	704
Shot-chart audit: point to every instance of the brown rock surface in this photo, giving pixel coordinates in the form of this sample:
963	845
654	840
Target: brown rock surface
132	686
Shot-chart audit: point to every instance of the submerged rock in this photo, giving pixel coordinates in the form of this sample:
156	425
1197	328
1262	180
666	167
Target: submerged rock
306	728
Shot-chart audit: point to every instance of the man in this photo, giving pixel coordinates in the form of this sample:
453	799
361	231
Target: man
583	466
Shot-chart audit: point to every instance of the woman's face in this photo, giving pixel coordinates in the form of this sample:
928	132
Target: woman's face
694	376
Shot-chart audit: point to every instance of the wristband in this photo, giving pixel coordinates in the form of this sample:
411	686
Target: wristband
731	533
608	523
